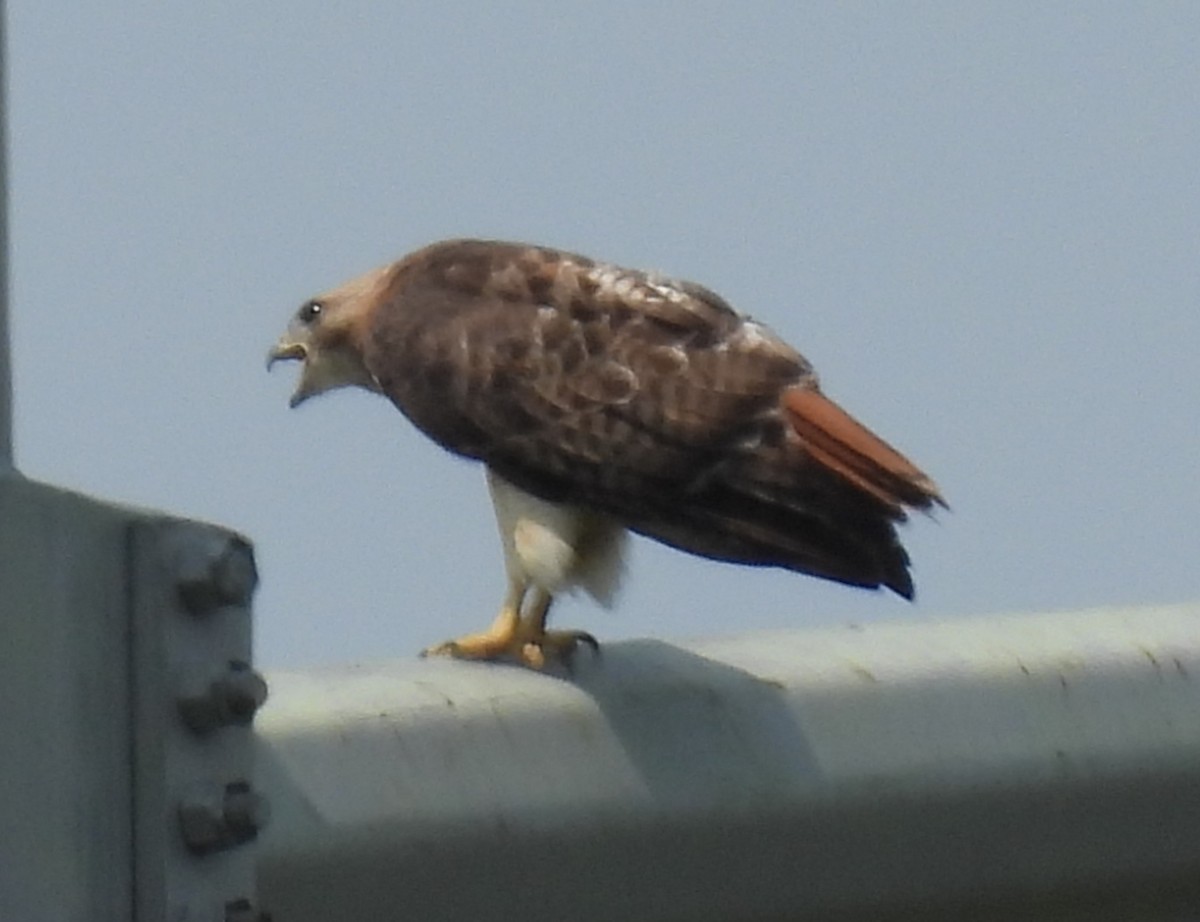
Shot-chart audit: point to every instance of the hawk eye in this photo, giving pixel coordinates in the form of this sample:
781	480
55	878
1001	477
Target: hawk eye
309	312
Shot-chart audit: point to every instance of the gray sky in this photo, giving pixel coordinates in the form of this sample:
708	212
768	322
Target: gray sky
980	221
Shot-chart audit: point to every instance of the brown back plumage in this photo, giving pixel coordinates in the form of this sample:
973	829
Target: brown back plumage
644	397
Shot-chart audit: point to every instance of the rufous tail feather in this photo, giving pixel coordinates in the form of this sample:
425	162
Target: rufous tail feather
847	447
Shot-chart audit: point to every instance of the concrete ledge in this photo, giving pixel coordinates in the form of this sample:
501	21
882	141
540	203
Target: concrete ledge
1040	764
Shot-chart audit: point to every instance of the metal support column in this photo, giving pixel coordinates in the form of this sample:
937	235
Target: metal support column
126	693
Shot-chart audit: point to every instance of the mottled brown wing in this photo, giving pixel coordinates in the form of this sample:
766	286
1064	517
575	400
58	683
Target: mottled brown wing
555	369
647	398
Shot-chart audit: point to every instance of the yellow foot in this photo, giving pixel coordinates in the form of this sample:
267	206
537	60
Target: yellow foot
497	642
524	646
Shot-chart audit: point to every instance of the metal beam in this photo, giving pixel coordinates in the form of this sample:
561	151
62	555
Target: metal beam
1042	766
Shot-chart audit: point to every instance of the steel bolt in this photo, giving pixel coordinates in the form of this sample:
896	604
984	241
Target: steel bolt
214	819
231	699
201	822
215	570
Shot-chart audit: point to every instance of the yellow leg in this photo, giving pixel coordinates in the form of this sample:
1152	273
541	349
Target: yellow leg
498	641
539	644
513	637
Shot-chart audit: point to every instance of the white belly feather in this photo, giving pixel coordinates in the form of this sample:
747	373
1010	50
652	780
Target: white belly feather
556	546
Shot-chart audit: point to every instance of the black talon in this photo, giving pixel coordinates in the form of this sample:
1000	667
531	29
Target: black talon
568	653
584	637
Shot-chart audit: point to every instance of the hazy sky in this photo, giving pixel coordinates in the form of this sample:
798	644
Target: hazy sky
980	221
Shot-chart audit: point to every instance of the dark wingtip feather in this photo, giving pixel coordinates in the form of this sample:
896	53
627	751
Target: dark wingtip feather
901	583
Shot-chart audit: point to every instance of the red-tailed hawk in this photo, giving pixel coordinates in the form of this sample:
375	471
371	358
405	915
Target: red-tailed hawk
603	399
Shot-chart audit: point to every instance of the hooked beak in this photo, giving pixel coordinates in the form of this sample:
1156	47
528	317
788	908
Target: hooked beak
289	350
324	366
286	350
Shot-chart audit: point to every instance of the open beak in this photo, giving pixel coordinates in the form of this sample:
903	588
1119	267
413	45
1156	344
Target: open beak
286	350
292	350
322	367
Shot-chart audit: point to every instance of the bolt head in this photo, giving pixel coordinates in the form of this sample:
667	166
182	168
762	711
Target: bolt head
213	818
214	570
231	699
202	824
242	692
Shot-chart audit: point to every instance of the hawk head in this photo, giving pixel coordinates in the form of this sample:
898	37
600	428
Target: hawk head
327	334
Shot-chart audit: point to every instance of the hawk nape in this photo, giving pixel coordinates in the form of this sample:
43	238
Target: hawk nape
602	399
